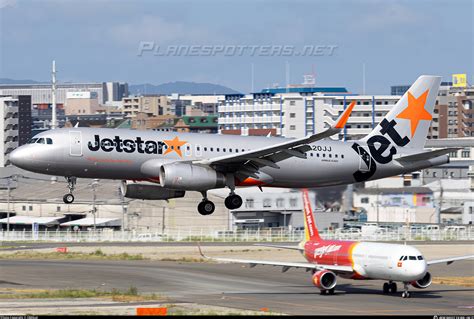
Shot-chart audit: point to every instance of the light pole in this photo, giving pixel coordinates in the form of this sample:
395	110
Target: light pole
8	206
94	186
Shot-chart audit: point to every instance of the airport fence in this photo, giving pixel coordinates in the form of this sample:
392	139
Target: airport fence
258	235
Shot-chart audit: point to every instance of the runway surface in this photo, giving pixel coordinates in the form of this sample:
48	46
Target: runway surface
239	286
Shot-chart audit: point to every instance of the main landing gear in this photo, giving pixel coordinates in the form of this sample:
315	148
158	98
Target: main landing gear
327	291
206	207
233	201
389	287
71	185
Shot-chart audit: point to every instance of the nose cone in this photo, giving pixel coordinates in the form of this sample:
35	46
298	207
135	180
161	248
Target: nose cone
19	157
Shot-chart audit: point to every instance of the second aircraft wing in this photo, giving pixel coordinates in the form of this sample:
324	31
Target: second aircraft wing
285	265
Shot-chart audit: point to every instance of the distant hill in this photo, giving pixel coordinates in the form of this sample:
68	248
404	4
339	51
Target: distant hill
12	81
181	88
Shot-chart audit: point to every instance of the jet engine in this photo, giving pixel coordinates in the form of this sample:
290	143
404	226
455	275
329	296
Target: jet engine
325	279
190	177
145	191
423	282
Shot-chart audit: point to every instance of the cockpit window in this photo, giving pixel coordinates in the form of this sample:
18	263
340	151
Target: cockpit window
401	258
404	257
40	141
32	141
49	141
420	257
412	258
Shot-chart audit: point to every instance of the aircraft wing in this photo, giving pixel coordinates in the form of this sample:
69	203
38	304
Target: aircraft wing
426	155
449	261
281	247
270	155
285	265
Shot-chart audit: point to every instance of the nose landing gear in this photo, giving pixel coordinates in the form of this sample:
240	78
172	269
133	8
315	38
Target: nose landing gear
405	293
69	197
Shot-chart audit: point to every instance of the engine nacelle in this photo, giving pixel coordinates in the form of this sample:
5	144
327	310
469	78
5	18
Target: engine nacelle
325	279
145	191
190	177
424	282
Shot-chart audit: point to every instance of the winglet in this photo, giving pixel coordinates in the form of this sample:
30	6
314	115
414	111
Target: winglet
342	120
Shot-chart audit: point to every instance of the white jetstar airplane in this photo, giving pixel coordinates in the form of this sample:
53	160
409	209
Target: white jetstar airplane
328	259
179	162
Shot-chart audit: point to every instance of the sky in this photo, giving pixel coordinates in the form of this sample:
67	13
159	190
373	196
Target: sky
100	40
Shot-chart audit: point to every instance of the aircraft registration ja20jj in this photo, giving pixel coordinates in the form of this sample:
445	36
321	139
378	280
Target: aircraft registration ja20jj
180	162
328	259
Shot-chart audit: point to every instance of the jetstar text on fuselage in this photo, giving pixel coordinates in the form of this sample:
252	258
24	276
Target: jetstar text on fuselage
128	145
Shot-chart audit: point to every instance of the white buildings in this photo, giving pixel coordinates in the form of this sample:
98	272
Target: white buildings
300	112
41	93
8	128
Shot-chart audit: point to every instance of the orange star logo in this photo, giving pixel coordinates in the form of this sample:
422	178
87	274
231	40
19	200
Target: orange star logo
174	145
415	111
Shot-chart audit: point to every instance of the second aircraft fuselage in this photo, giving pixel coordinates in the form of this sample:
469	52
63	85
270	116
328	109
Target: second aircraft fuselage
369	260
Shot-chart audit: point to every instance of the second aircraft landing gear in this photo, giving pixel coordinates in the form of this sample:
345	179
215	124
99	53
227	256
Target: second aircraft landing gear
206	207
71	184
405	293
389	287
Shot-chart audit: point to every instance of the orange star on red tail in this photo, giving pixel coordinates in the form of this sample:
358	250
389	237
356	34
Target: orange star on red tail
415	111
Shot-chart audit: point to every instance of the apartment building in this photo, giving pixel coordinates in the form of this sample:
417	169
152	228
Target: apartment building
150	104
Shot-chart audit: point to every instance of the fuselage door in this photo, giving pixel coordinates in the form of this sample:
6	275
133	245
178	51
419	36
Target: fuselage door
75	140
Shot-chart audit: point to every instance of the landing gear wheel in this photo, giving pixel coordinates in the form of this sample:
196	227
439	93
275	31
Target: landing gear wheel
206	207
393	287
323	291
331	291
233	201
405	293
386	288
68	198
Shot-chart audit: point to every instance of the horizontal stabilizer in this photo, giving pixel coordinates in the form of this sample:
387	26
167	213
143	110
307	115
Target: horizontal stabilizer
426	155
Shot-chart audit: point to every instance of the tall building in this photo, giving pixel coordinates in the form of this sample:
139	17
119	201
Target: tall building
24	119
41	93
454	113
115	91
8	128
150	104
78	103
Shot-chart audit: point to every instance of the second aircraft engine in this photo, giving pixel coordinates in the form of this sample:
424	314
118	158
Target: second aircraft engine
423	282
325	279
